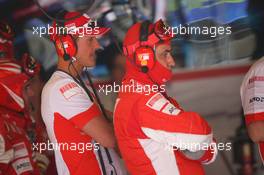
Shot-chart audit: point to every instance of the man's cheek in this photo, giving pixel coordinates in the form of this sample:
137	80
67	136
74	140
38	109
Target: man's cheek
163	62
92	60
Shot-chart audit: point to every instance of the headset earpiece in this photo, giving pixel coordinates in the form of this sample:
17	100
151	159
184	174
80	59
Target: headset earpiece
144	56
66	47
65	44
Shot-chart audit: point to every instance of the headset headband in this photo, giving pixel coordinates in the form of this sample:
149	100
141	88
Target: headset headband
61	15
144	28
158	34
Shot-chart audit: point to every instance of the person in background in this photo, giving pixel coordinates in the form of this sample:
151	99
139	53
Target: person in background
252	87
252	97
19	115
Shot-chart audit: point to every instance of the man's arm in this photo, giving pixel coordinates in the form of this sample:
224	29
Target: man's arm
161	121
252	98
205	156
256	131
101	131
75	105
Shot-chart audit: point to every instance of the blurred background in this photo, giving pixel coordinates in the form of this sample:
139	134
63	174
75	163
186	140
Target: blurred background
209	70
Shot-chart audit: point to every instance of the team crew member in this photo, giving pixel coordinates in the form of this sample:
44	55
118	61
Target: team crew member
252	97
149	125
16	154
71	115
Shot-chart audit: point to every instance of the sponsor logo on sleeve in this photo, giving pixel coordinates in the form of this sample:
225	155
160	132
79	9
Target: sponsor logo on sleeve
255	79
69	90
20	150
171	109
22	165
256	99
159	103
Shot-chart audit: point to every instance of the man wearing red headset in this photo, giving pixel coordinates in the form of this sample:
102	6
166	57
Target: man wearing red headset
252	97
155	135
69	110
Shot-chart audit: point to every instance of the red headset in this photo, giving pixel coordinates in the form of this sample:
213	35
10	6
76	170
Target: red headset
65	44
144	56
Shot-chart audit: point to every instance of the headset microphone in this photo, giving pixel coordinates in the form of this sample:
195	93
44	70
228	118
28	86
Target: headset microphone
144	69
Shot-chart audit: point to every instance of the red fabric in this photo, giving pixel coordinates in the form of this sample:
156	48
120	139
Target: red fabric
254	117
76	162
11	127
83	118
16	117
11	90
131	115
185	122
9	67
209	154
77	22
159	74
12	82
80	21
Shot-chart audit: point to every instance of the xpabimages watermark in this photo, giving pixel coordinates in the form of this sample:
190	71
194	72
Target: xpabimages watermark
193	147
134	87
194	30
80	147
90	28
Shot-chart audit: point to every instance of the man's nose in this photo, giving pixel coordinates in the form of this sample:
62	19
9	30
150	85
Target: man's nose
97	44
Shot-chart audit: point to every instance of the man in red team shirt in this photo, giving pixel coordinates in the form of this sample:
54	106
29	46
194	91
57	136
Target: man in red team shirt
69	110
16	113
149	125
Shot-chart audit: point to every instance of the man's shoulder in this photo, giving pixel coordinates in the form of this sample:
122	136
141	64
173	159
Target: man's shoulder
257	68
255	74
58	85
151	100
